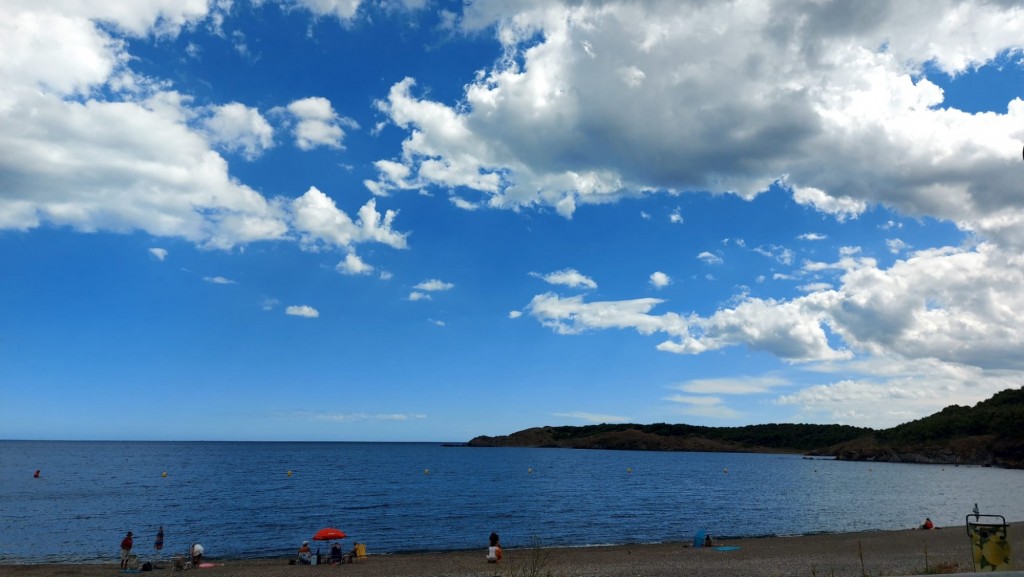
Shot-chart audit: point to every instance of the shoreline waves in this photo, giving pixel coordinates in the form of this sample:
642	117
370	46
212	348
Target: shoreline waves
860	554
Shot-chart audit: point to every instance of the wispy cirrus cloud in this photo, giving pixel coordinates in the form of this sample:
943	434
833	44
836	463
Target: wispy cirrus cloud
709	407
218	280
732	386
354	417
591	417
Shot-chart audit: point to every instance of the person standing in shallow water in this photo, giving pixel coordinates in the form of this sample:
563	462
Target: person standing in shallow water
126	549
494	550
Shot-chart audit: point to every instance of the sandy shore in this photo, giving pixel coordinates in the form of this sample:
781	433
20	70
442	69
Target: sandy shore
907	552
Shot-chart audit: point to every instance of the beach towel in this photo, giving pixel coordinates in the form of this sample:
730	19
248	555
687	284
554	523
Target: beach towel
727	548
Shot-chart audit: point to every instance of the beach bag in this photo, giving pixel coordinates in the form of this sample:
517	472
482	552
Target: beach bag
147	566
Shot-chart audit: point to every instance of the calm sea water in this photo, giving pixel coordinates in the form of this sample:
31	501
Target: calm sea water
239	500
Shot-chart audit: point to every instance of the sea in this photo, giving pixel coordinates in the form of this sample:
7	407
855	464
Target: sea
262	499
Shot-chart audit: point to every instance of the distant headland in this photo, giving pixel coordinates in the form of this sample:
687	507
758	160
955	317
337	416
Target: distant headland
989	434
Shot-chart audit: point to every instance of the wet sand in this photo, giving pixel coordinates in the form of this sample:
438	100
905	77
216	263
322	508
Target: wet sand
872	554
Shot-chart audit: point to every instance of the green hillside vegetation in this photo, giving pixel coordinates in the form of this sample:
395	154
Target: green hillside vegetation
990	433
1002	415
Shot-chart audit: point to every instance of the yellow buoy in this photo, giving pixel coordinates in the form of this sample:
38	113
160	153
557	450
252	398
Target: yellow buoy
530	470
164	474
629	470
289	473
426	471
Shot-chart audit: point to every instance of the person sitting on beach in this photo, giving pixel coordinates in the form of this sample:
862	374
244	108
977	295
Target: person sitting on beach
494	550
126	549
708	542
305	555
927	524
336	556
196	552
353	554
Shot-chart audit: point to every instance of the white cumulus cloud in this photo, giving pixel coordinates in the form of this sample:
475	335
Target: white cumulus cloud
919	327
302	311
569	277
239	128
709	258
434	285
317	124
353	265
320	222
829	101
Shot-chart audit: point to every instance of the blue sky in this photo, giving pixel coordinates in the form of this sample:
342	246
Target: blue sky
426	221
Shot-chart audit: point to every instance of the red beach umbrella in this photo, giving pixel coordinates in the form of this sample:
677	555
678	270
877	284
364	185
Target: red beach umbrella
328	534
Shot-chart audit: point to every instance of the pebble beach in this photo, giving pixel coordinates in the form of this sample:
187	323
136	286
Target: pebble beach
878	553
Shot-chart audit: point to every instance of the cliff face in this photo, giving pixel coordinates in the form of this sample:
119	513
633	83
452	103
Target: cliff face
990	433
985	450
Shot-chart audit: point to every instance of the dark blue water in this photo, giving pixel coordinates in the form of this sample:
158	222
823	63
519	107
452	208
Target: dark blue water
239	500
